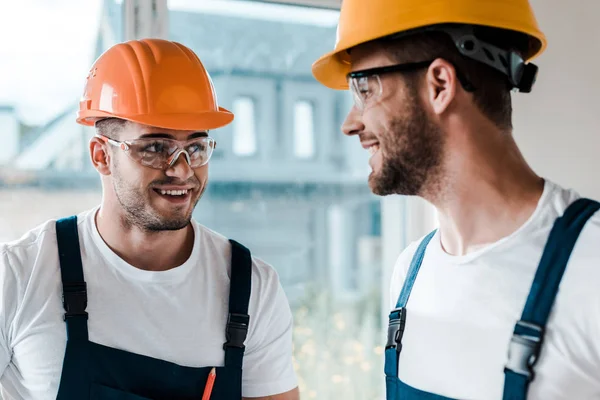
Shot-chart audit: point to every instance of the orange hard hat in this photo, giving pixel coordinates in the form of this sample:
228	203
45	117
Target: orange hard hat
152	82
362	21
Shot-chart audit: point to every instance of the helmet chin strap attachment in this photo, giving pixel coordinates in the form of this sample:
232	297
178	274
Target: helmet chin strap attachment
521	75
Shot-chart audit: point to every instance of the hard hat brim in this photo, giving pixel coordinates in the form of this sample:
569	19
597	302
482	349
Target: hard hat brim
332	68
185	122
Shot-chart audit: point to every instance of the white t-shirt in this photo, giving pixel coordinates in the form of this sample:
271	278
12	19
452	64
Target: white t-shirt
463	309
178	315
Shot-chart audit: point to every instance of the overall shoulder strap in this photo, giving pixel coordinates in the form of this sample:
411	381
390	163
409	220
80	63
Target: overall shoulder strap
527	337
397	318
413	270
239	297
74	287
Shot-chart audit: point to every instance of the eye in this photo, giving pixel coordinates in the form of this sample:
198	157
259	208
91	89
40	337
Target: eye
364	89
196	147
154	147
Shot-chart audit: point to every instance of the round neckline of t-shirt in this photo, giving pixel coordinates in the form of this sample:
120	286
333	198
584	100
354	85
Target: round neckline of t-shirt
440	253
113	260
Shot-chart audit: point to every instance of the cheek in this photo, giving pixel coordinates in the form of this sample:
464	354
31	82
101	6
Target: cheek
201	174
380	123
138	176
375	120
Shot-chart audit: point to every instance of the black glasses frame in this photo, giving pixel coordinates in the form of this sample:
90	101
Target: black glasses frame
407	67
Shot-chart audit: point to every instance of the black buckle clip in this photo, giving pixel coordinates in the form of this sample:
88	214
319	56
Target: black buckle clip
75	299
237	330
396	329
524	350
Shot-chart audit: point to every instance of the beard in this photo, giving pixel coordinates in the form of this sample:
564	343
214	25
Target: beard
140	213
411	154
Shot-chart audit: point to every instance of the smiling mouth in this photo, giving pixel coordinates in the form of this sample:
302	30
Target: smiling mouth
177	197
373	148
173	192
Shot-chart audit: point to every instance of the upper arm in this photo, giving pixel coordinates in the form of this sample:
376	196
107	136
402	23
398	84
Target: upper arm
291	395
268	366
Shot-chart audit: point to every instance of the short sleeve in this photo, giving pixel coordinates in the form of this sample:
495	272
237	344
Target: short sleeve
268	365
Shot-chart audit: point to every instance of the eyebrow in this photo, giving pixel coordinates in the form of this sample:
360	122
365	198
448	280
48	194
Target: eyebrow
159	135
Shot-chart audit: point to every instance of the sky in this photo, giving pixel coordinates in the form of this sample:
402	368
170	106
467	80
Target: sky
46	46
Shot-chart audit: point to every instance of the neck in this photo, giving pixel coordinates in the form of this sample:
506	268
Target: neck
151	251
488	192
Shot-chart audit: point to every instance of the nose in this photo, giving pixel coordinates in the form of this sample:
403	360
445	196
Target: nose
181	167
353	124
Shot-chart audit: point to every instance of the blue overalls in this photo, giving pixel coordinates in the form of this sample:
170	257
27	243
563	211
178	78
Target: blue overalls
96	372
525	344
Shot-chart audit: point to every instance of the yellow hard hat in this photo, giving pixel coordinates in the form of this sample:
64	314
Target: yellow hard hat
362	21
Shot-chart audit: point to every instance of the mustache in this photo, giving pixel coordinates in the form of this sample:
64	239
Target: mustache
175	182
363	137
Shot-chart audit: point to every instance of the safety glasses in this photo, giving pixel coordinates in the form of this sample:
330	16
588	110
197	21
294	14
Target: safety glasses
366	87
162	153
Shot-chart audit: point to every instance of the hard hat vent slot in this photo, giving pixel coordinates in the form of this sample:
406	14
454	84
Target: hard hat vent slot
503	61
489	55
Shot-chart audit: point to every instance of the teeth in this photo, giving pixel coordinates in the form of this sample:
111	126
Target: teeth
373	149
174	192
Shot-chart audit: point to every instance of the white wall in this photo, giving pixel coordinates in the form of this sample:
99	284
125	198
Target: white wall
557	126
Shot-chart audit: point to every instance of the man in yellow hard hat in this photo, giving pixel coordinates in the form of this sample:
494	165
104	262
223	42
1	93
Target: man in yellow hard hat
431	82
134	299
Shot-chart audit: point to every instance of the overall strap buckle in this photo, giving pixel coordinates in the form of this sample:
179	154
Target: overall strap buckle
75	299
236	331
524	349
396	329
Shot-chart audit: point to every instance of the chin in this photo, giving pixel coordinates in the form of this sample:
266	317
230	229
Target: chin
172	219
375	184
379	186
178	213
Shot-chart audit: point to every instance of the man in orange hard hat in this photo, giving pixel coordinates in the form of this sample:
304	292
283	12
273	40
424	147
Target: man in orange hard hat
431	82
134	299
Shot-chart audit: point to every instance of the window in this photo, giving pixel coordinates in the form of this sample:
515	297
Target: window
322	236
244	127
304	130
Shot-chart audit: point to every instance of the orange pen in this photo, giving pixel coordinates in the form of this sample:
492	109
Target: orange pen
209	384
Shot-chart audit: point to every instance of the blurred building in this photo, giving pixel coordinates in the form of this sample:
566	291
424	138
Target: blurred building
283	180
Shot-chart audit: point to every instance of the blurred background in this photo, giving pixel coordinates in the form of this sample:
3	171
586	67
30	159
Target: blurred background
283	180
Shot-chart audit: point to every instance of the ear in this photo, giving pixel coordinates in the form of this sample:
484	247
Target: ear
441	83
100	155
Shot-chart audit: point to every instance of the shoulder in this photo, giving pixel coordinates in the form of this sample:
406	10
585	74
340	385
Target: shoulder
584	262
18	253
36	244
404	259
401	268
578	296
263	274
586	249
268	304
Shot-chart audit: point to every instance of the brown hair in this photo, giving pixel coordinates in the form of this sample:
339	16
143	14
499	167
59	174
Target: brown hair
492	89
111	127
